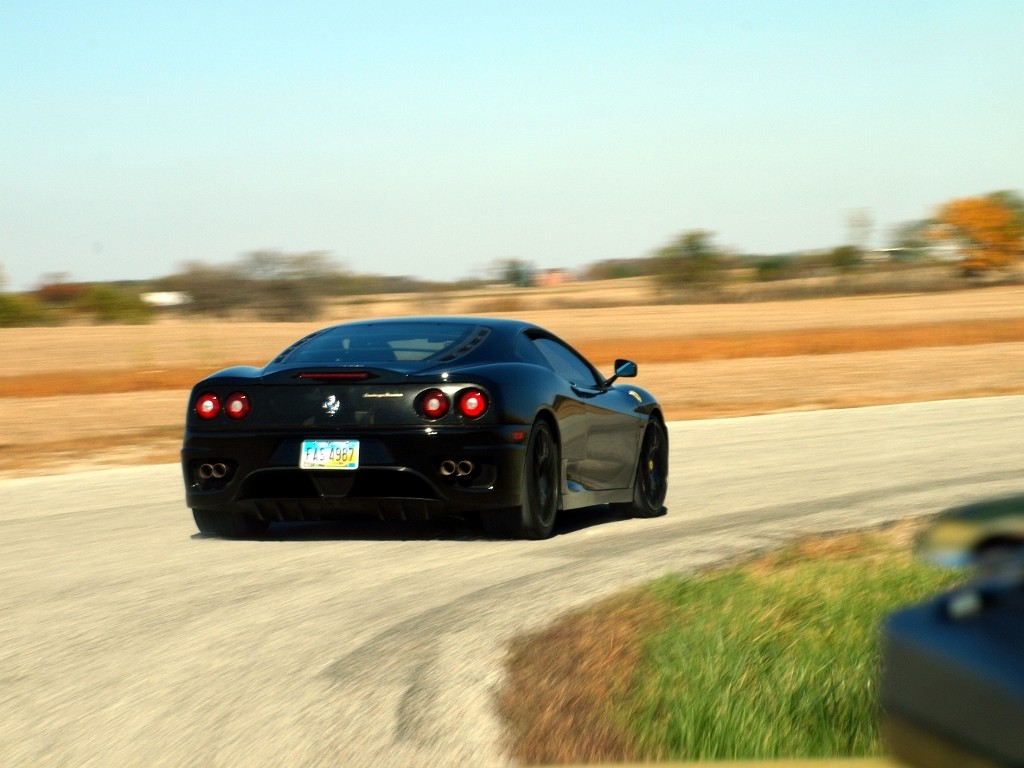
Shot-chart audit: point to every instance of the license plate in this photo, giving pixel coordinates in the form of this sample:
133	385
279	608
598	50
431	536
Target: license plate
329	454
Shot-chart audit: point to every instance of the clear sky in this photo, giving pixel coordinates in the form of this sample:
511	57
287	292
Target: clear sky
433	139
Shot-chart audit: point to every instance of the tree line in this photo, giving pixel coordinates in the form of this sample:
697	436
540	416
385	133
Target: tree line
977	235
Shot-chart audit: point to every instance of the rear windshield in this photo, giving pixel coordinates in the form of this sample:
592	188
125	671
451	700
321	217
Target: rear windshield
386	342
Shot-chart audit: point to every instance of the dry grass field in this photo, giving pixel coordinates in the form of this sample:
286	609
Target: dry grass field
82	396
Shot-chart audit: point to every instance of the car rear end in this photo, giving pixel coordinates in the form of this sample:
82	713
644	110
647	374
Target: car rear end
315	442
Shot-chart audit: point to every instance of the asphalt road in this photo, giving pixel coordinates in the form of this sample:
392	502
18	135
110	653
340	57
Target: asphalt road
128	639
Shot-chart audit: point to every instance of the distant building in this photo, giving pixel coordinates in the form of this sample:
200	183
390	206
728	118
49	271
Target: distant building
552	278
877	255
940	251
166	298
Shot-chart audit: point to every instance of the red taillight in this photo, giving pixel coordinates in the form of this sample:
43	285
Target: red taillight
207	406
238	405
434	404
472	403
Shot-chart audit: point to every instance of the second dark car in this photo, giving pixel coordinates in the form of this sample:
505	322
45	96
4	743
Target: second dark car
416	417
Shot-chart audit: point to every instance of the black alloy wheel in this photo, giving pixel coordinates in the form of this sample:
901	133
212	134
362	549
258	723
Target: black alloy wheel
651	484
535	519
540	484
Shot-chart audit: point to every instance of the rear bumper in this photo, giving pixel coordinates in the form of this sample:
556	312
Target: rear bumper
402	473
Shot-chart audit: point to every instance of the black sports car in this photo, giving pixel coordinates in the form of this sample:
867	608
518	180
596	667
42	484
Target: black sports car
414	417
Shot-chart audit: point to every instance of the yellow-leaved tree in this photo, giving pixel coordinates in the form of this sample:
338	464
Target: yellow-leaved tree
989	230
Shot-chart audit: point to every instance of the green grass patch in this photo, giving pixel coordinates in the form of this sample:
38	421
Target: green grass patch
775	658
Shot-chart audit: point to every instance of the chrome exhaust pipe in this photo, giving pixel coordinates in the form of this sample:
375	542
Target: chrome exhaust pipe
464	467
448	468
216	471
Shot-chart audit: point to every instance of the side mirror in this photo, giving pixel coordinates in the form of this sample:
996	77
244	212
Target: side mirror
623	368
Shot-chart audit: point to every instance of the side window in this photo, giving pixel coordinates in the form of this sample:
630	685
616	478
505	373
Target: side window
566	363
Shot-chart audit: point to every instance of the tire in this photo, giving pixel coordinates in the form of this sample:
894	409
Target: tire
651	482
229	525
535	519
